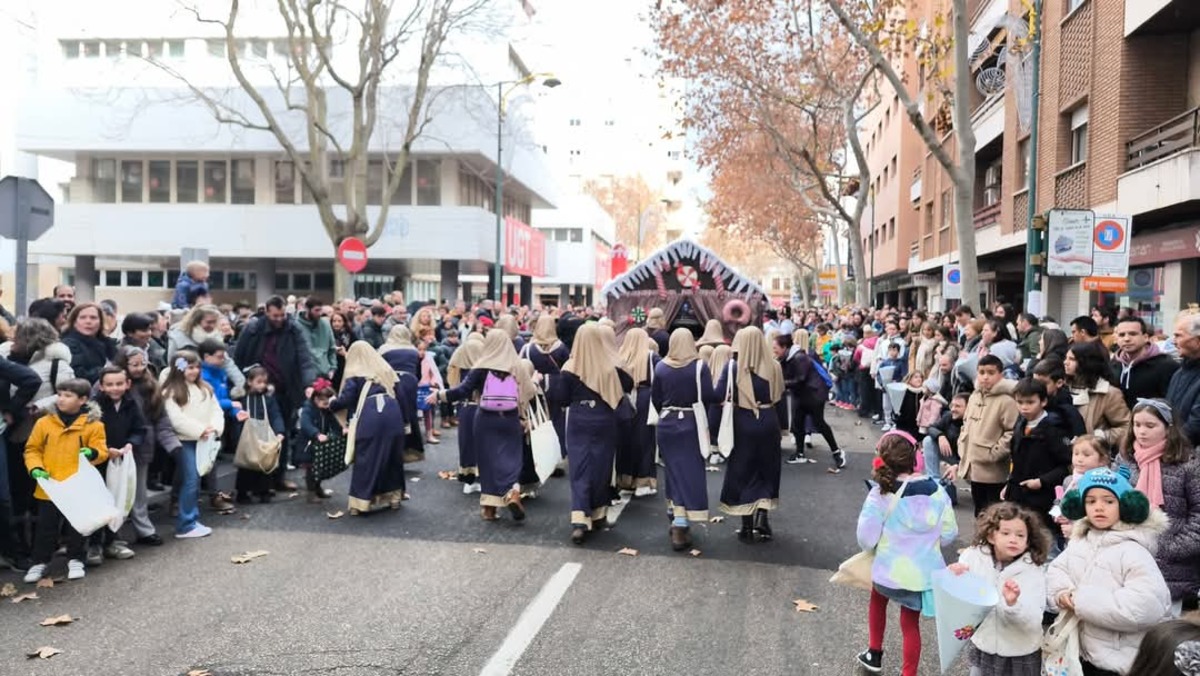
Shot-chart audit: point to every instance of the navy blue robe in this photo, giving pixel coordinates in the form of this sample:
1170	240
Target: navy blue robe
635	453
377	474
755	465
673	394
407	364
497	439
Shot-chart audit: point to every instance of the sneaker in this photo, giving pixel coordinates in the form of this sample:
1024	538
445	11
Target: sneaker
797	458
118	550
886	428
839	459
36	571
200	531
95	556
468	489
152	540
877	417
75	570
871	660
644	491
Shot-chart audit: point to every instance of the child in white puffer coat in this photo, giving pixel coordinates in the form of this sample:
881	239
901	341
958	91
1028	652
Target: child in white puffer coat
1107	575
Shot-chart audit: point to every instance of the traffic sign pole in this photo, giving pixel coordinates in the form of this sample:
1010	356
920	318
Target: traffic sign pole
22	236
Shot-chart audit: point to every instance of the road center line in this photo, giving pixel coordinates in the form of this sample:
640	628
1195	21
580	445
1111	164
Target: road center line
530	622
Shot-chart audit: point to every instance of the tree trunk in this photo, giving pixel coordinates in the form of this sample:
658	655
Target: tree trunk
802	283
343	285
837	264
963	176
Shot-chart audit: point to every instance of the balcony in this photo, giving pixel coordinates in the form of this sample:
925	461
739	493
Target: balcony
914	192
1162	166
1154	17
985	216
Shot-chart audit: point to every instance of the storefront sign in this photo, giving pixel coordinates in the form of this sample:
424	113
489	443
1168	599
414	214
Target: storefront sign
1164	246
1110	246
1106	284
1071	234
952	282
524	250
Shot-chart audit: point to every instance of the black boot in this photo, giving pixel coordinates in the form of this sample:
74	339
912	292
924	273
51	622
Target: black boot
762	527
746	534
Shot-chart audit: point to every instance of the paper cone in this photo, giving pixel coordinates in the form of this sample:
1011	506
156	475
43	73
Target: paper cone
960	603
896	391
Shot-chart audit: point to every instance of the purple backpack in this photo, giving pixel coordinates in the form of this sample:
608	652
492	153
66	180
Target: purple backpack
499	393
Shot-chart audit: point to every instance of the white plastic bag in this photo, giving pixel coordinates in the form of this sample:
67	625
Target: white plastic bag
206	453
82	498
652	416
121	477
547	452
700	415
725	432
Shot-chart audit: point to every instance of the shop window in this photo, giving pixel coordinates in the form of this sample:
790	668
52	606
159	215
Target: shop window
302	281
104	181
323	281
282	283
429	183
1079	135
132	180
187	181
235	281
285	182
173	278
159	174
216	280
156	279
243	182
215	181
135	278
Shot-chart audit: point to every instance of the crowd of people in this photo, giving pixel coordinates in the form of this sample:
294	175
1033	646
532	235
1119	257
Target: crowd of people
1076	446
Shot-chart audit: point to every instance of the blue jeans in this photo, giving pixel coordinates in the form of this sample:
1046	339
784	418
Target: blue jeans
189	490
933	459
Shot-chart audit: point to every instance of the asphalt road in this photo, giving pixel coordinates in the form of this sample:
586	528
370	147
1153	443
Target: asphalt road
432	590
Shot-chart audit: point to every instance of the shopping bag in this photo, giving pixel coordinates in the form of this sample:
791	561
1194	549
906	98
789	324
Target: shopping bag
121	479
352	428
962	602
328	457
422	393
258	447
82	498
700	415
725	432
206	453
652	417
855	572
547	452
1060	647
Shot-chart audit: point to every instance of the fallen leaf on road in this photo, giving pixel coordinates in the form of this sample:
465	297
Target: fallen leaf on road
335	515
717	519
9	589
199	672
711	468
57	621
628	551
248	556
479	550
695	552
448	475
293	495
45	583
803	606
25	597
45	653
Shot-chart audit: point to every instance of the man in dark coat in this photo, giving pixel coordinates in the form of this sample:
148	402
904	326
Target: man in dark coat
1184	391
274	341
809	394
1139	368
18	385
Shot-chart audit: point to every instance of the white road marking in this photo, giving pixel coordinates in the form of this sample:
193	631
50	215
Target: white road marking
530	622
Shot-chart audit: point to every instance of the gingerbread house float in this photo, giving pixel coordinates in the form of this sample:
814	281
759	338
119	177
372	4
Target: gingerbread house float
692	285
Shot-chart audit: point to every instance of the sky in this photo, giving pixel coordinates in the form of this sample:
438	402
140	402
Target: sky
588	40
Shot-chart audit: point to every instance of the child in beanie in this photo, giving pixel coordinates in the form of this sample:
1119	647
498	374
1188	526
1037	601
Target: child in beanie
1107	575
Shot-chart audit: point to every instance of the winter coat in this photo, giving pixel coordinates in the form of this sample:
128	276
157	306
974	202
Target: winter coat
55	447
1043	454
215	377
371	332
54	360
179	301
802	380
985	442
1184	395
1016	630
1178	553
1027	344
156	354
158	432
177	340
1104	412
264	407
124	424
947	427
1146	377
321	344
1063	405
200	411
1116	586
291	354
314	421
89	354
908	542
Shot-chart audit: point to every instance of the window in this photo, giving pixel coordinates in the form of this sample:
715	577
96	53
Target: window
929	218
991	183
175	49
154	49
404	191
155	279
323	281
216	279
134	278
575	234
159	172
302	281
235	281
243	182
1073	5
90	49
132	179
258	48
560	235
1079	135
891	228
337	181
104	181
70	49
282	281
610	123
1023	164
374	181
280	47
113	49
285	185
429	183
187	181
216	47
575	122
947	209
173	278
216	179
112	278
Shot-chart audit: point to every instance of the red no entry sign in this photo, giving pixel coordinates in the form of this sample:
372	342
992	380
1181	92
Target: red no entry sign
352	254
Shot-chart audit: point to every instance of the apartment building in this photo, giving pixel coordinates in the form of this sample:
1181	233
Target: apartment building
1120	86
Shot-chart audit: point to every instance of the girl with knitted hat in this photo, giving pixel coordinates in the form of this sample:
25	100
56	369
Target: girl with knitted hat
1107	575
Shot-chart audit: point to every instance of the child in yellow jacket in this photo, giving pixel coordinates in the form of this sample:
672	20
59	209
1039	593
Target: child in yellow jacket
52	452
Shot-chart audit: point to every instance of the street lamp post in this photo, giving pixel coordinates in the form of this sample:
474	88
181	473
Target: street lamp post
1033	237
501	97
871	279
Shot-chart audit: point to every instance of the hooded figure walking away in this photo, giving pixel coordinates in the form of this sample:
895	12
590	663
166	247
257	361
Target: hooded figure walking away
497	381
402	355
635	454
681	380
461	363
371	392
548	355
592	388
752	474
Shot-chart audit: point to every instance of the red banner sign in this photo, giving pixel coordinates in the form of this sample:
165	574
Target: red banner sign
524	249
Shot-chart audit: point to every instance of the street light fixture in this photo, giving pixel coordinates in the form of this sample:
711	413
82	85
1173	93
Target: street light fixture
502	96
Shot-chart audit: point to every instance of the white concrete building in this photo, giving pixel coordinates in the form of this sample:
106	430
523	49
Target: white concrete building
155	173
581	234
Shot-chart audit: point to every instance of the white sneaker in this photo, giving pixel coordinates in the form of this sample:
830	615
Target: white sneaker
36	571
644	491
118	550
468	489
75	570
200	531
886	428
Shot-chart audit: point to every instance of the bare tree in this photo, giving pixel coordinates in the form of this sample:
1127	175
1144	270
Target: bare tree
347	51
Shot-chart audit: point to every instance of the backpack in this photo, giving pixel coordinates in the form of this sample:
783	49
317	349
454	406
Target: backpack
821	371
499	393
